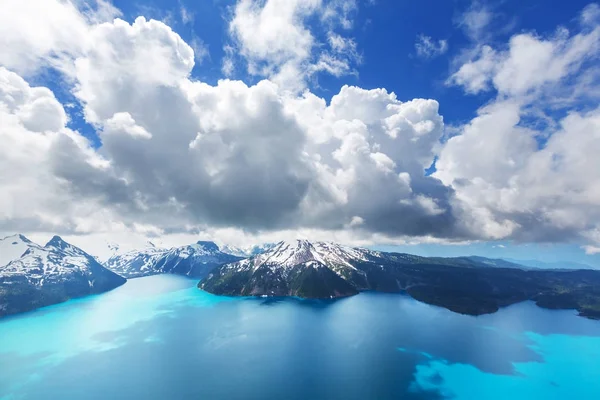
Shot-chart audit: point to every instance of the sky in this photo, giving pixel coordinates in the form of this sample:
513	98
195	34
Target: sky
432	127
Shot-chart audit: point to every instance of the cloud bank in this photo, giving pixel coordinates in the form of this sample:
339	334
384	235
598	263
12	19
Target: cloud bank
178	155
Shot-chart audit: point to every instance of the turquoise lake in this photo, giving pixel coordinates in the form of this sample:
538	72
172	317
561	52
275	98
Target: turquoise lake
161	338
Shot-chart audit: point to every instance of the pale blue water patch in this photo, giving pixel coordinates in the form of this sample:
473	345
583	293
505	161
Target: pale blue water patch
570	370
71	327
56	333
162	338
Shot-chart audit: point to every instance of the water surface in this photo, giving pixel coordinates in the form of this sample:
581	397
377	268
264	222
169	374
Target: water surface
161	338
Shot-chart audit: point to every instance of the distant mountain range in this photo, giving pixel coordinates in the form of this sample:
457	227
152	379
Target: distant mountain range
549	265
136	263
247	251
32	276
469	285
195	260
291	269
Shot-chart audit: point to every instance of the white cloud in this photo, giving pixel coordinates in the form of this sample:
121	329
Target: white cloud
475	21
356	221
39	33
145	55
200	48
529	64
532	63
228	64
123	123
427	47
474	76
201	51
339	12
34	138
330	64
344	49
519	169
590	250
273	37
187	16
591	15
275	41
181	158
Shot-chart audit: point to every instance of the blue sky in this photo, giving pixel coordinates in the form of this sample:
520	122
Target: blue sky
489	157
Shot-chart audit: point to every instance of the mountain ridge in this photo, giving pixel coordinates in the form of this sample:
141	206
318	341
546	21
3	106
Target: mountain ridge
554	265
247	251
33	276
468	285
194	260
49	274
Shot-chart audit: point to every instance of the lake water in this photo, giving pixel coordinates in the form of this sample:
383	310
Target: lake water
161	338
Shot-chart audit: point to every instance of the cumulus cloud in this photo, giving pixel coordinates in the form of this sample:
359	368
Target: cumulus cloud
34	138
530	62
181	157
524	168
475	75
39	33
275	41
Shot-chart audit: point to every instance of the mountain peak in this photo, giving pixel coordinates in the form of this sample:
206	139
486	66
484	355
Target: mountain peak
23	238
292	252
295	242
17	237
289	253
50	274
57	242
193	260
294	246
292	267
12	247
247	251
207	245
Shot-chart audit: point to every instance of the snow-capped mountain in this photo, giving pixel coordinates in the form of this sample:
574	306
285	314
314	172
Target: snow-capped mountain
13	247
324	269
469	285
247	251
194	260
287	254
33	276
136	263
299	268
50	274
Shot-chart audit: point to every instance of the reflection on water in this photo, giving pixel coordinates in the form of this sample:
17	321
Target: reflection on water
161	338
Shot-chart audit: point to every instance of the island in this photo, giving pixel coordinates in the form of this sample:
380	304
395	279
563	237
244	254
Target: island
467	285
